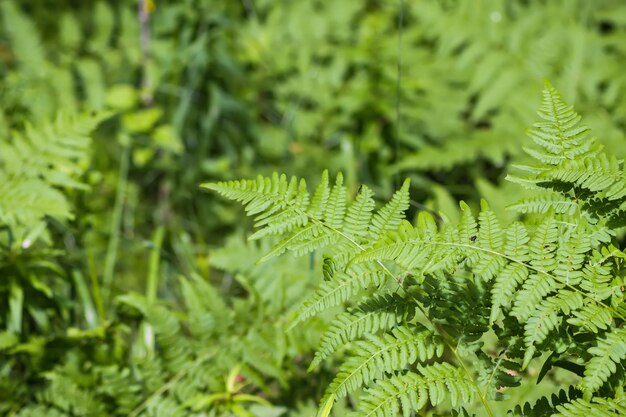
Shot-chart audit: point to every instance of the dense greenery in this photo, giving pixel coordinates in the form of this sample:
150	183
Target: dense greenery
126	290
550	285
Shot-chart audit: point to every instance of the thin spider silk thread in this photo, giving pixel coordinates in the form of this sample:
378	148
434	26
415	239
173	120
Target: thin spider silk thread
396	152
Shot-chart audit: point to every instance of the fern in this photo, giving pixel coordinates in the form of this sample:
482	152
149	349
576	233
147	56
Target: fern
600	406
572	165
412	391
37	165
545	407
609	353
375	356
381	312
539	285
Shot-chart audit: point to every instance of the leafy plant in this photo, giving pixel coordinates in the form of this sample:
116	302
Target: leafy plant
390	89
453	314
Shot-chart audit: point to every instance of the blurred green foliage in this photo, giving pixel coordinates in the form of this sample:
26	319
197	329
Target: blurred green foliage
461	314
105	236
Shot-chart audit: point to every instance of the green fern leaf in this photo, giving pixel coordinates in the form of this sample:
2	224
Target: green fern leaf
591	317
335	207
320	197
308	239
256	195
559	136
468	227
600	407
573	245
384	354
446	381
287	212
491	240
359	215
544	204
56	152
597	276
610	350
389	216
410	392
503	290
402	246
340	287
546	318
382	312
594	174
514	273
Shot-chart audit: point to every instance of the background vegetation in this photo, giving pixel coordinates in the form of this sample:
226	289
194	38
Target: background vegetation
127	291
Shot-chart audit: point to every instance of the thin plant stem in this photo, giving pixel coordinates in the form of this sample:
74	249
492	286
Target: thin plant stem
114	233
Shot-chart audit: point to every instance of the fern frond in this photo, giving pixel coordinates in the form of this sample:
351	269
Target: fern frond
28	201
597	276
384	354
490	236
571	254
36	165
592	317
594	174
410	392
545	406
538	285
503	290
391	214
543	246
544	204
401	246
491	239
279	205
339	289
560	136
546	318
311	237
320	196
286	209
606	356
467	230
446	381
534	289
359	215
56	152
601	407
335	207
381	312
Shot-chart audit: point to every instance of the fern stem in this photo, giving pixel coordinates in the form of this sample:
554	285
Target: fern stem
111	255
95	285
361	248
482	396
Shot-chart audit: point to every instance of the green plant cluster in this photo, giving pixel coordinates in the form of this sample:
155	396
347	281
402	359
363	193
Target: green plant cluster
127	291
109	304
456	312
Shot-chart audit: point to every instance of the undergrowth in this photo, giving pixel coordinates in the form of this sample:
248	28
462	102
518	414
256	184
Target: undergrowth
450	315
117	297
